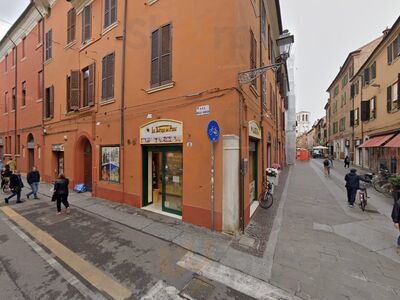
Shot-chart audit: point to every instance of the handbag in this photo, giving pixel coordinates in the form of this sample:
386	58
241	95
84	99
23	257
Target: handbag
53	197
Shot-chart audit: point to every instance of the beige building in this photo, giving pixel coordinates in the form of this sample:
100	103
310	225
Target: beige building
376	106
340	104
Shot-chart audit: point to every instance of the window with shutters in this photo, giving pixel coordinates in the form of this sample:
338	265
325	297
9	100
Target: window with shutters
23	47
86	23
263	22
336	91
334	108
40	85
23	102
14	57
356	116
366	76
351	70
68	94
253	56
39	31
6	63
18	146
373	71
342	124
335	127
392	97
74	90
345	79
264	92
161	56
107	77
88	86
14	98
372	113
390	54
49	103
49	42
71	25
110	12
6	102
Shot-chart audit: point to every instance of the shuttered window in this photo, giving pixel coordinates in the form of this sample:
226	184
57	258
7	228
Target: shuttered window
253	55
366	76
71	25
373	70
49	102
23	93
110	12
389	99
40	85
365	110
88	86
75	89
263	21
352	118
6	102
107	78
14	98
87	23
49	41
161	56
373	108
389	54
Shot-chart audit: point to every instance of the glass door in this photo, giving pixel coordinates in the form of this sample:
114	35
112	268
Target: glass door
172	166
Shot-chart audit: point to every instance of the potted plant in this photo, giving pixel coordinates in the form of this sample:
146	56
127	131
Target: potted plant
395	181
271	172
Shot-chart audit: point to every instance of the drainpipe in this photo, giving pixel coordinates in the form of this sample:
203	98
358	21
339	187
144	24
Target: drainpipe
362	123
261	108
241	165
15	56
122	129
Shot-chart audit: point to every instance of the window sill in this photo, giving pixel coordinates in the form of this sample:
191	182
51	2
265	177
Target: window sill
23	107
160	88
85	108
12	67
151	2
86	44
39	45
109	28
23	59
5	114
253	89
107	101
48	119
69	45
39	100
48	61
13	111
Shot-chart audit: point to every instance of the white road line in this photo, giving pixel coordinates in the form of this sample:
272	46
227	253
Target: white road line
70	278
232	278
161	291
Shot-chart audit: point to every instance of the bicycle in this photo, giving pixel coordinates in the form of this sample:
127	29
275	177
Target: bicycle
362	194
266	198
382	184
6	186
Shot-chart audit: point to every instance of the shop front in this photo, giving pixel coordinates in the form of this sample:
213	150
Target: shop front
254	138
161	142
58	155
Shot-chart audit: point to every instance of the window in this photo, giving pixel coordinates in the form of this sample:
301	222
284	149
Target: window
366	76
18	146
88	86
71	25
6	102
390	54
334	109
87	23
74	90
23	93
336	91
68	94
6	143
264	92
14	57
110	12
107	80
335	127
161	56
373	70
49	41
345	79
6	63
263	21
351	70
23	47
49	102
14	98
109	164
396	47
342	124
357	116
40	85
253	56
39	31
392	97
372	114
357	87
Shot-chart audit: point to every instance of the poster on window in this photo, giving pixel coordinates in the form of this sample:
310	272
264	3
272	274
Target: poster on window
110	164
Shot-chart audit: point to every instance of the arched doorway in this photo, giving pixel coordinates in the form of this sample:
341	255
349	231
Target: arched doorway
87	163
31	151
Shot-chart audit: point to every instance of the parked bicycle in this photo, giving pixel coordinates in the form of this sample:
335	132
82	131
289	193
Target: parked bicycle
381	182
6	186
362	193
266	199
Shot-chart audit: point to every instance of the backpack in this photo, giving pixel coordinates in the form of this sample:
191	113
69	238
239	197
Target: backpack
80	188
326	163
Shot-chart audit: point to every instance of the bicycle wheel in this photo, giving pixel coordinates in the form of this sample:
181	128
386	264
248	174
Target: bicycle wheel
362	202
377	184
387	189
266	200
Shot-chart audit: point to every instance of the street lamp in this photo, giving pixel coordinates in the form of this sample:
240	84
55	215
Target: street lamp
284	43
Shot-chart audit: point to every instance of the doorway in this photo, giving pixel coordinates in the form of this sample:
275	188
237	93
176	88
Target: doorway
31	151
253	170
163	178
87	164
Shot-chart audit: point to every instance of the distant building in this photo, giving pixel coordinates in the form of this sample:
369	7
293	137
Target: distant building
303	122
290	118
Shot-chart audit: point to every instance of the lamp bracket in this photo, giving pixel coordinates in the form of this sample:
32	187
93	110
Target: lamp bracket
249	76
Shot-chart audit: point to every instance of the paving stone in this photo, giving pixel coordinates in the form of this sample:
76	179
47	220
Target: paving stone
162	231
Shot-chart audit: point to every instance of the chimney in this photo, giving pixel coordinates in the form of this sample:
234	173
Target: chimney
386	31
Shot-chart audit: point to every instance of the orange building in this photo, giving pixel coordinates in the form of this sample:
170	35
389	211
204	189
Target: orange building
130	88
21	92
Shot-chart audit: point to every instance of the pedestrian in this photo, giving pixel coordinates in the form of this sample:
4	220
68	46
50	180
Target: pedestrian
396	221
5	175
11	164
327	167
33	179
347	161
61	193
352	185
16	186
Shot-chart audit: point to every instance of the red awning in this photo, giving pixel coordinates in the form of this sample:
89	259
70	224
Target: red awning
394	143
376	141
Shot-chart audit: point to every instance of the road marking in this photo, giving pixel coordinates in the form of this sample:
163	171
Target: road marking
232	278
93	275
161	291
70	278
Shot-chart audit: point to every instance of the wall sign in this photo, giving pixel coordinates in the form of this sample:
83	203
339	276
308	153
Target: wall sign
57	147
254	130
161	132
203	110
213	131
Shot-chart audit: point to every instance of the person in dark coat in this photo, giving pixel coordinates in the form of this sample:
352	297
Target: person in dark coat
61	193
16	186
33	179
396	221
5	175
352	185
347	162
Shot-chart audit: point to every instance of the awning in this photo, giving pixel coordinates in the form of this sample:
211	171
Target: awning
376	141
394	143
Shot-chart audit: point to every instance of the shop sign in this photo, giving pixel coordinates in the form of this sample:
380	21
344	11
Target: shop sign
203	110
57	147
254	130
161	132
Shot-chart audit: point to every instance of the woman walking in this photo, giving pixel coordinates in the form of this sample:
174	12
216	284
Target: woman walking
16	186
61	193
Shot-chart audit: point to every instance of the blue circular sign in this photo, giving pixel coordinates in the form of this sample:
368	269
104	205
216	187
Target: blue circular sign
213	131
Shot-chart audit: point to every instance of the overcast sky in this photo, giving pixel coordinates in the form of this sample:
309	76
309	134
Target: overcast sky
325	32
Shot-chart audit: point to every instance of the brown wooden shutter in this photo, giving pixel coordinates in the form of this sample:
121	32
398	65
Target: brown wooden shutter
352	118
103	77
113	11
165	54
110	72
86	23
155	59
69	27
106	13
51	102
91	84
389	99
73	25
75	89
365	110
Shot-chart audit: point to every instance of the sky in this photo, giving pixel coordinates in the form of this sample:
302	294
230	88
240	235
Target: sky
325	32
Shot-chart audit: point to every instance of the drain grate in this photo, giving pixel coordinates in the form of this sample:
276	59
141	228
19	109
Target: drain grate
198	289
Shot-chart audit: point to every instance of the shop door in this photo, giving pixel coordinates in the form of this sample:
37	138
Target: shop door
253	170
87	165
31	159
60	162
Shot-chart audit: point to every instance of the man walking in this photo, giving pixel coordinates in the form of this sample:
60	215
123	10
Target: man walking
396	221
347	162
327	167
16	186
33	179
352	185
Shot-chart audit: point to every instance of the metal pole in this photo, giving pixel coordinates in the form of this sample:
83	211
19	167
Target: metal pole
212	185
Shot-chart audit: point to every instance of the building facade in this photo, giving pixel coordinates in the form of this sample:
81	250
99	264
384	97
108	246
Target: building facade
291	125
130	89
303	122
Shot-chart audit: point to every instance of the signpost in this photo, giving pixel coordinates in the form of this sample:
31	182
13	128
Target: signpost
213	134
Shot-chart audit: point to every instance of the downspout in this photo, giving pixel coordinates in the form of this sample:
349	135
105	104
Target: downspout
241	165
15	56
122	129
261	106
362	123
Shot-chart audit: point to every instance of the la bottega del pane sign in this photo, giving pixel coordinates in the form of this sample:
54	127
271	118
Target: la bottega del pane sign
161	132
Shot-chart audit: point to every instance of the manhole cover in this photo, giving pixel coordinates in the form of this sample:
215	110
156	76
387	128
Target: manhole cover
198	289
